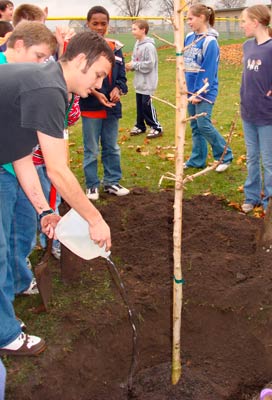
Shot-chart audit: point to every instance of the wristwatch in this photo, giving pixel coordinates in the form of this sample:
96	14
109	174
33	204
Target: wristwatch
44	213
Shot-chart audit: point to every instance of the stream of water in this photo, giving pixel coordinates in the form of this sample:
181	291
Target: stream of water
120	286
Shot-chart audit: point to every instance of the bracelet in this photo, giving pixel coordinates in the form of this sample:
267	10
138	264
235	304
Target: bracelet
44	213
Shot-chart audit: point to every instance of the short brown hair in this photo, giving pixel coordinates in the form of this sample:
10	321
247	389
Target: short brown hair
5	27
32	33
142	24
92	45
4	4
28	12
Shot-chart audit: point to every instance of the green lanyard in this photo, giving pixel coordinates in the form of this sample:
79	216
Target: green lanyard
68	110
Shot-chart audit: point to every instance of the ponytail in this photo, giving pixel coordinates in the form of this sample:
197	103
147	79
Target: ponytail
200	9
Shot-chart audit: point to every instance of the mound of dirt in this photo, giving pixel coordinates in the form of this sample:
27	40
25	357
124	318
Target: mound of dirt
226	317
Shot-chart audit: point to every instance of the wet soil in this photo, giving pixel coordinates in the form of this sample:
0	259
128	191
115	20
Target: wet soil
226	316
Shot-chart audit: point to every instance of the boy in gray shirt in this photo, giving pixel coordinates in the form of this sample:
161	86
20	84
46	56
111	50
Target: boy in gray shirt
145	65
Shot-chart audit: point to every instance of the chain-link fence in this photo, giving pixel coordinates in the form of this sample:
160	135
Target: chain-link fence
120	28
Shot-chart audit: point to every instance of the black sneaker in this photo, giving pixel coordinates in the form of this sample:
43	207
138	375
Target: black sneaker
117	189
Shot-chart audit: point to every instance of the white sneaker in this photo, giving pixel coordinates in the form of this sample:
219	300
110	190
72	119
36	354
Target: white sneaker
154	133
136	131
247	207
92	193
24	345
32	289
222	167
56	252
185	166
117	189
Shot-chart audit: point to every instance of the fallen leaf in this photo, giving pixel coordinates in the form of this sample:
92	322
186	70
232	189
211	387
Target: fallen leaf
235	205
170	156
144	153
240	189
241	159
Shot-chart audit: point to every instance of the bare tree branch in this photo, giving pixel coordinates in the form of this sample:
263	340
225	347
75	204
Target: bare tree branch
230	3
131	8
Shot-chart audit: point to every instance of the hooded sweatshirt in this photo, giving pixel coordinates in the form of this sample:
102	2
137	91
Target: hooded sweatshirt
202	55
145	65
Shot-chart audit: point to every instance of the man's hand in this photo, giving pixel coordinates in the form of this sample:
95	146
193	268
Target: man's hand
100	233
49	223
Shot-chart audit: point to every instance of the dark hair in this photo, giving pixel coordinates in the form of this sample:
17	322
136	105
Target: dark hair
33	33
92	45
5	27
27	12
200	9
142	24
97	10
4	4
262	14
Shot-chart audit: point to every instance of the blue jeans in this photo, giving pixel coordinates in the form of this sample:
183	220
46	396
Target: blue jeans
203	132
2	380
24	228
105	131
258	141
9	326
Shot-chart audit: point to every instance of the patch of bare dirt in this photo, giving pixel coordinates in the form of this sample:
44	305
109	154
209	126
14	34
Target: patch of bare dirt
226	317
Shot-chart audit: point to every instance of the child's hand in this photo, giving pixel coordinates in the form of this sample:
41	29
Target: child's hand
128	66
115	95
194	100
103	99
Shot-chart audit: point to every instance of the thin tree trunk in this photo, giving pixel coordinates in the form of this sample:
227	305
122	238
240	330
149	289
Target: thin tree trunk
181	104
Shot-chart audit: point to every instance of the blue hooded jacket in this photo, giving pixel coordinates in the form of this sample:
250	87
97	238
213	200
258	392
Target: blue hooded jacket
202	55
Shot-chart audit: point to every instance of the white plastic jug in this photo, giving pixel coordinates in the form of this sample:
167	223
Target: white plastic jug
73	231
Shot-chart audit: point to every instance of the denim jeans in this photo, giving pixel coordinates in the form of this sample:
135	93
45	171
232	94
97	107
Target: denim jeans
203	132
9	326
258	141
2	380
24	228
105	131
19	228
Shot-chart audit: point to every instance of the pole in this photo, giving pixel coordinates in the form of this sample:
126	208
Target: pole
181	107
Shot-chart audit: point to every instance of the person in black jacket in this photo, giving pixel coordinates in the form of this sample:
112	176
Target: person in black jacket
100	113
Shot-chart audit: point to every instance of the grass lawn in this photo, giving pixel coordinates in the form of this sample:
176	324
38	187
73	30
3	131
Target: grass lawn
144	162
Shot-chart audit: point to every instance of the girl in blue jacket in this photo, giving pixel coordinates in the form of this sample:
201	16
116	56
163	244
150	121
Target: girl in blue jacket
201	57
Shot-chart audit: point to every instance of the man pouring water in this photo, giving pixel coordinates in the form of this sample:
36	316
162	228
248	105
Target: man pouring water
33	102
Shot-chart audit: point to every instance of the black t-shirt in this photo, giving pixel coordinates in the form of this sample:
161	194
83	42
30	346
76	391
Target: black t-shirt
33	97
